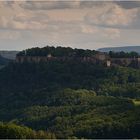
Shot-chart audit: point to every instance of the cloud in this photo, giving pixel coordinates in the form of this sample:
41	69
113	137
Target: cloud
12	35
88	29
18	23
79	23
17	19
102	14
128	4
13	17
106	33
124	4
38	17
113	16
111	33
75	4
49	5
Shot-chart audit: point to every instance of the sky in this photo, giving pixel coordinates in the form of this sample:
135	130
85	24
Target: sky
76	24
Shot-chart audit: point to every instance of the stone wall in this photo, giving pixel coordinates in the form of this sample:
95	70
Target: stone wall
96	60
37	59
124	61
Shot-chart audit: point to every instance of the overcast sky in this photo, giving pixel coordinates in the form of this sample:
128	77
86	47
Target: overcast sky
80	24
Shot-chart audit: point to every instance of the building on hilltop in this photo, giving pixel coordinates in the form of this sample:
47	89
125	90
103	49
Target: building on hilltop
101	56
49	55
108	63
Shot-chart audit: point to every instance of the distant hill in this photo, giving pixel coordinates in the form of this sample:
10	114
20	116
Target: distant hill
8	54
118	49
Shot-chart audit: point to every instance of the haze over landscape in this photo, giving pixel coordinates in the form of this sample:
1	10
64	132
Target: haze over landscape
81	24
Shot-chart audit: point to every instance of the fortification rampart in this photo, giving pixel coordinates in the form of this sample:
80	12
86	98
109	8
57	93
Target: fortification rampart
98	58
135	62
37	59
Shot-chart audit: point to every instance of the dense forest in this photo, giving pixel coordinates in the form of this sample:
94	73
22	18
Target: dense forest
67	51
57	52
68	99
123	54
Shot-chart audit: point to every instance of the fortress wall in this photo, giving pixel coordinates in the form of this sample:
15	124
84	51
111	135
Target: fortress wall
123	61
37	59
95	60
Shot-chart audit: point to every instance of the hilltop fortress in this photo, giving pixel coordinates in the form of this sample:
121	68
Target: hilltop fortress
96	58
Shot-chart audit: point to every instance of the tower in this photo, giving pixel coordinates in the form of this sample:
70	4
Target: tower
49	55
108	63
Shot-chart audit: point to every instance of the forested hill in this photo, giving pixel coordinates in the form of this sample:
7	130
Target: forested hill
69	52
70	99
57	52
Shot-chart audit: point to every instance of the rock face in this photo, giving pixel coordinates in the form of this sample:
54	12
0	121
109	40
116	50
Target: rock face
36	59
98	58
107	61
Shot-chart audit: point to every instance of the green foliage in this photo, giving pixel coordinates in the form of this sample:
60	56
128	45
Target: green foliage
136	102
123	54
108	115
57	52
13	131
